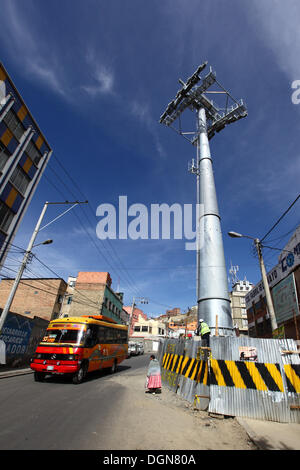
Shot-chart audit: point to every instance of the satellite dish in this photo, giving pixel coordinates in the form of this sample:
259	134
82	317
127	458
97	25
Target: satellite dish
2	93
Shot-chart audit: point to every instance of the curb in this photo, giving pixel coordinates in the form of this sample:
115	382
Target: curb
13	373
254	437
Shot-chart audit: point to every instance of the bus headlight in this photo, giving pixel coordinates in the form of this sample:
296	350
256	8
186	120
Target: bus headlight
73	357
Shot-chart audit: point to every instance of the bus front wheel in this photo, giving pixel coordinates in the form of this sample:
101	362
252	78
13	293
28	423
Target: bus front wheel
79	375
114	367
39	376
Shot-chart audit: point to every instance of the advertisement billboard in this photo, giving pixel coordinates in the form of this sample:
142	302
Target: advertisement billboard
285	299
288	260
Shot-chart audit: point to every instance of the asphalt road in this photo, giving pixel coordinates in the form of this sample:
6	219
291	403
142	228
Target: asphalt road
56	414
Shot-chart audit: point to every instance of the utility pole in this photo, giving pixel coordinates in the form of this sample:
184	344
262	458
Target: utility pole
27	255
212	289
142	300
269	300
266	285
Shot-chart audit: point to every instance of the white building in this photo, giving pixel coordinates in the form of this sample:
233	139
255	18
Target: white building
238	305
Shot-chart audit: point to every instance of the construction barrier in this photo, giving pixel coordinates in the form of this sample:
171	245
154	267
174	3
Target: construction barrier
246	377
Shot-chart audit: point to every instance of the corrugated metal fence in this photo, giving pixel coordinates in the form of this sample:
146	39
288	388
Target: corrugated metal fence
246	377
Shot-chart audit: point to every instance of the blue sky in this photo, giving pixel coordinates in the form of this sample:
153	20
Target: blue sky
97	76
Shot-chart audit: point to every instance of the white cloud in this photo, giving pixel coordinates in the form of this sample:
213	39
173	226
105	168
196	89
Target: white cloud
104	82
36	58
279	30
142	113
102	76
47	75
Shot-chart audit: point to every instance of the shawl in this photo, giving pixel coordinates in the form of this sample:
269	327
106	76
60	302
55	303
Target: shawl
154	368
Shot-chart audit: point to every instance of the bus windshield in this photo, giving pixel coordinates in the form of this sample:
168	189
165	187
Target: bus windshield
64	335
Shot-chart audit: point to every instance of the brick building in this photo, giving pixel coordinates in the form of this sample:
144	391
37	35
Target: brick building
92	294
35	297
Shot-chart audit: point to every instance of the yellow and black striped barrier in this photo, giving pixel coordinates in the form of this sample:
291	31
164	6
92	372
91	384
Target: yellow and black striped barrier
190	368
239	374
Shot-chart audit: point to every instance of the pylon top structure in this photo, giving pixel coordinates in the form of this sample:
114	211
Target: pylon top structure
193	95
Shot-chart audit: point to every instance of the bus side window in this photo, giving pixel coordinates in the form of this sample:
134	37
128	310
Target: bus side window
92	334
102	336
111	335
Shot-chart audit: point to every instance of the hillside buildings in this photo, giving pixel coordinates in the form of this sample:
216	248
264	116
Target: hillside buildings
24	154
147	328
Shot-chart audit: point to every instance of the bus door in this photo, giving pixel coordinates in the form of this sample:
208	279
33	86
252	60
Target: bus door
104	346
93	347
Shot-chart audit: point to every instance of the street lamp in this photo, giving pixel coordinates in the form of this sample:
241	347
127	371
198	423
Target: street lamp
258	246
46	242
28	253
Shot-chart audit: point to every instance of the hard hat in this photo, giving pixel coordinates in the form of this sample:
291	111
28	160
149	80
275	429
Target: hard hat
201	320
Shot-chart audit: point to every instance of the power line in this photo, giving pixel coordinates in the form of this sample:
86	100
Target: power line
126	276
130	285
281	237
42	281
77	291
91	303
131	281
280	218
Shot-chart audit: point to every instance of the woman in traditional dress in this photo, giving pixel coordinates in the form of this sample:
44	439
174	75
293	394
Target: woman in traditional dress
153	383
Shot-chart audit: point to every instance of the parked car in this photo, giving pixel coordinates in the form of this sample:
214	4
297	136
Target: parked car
133	349
140	348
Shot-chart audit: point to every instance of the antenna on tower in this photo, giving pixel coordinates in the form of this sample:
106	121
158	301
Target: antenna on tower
233	271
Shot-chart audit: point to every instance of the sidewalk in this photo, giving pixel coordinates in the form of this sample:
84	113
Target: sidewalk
269	435
266	435
14	372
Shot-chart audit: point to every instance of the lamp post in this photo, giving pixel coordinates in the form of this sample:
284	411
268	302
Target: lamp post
27	255
258	246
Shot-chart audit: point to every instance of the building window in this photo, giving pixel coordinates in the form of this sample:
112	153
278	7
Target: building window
33	153
69	301
6	216
144	328
4	156
137	328
14	124
20	179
